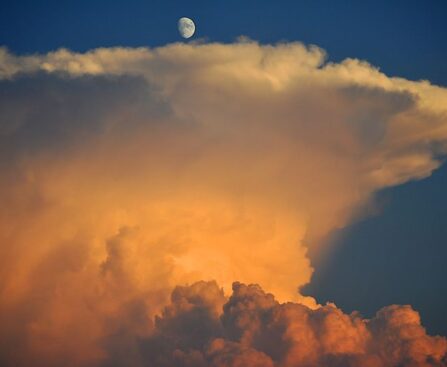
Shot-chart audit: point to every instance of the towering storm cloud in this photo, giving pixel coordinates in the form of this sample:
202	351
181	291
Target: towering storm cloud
127	172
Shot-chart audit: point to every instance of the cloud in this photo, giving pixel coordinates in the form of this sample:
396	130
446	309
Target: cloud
127	172
253	329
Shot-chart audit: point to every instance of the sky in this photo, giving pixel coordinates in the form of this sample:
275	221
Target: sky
403	38
141	173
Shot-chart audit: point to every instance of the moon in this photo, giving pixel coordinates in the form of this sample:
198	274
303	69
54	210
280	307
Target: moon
186	27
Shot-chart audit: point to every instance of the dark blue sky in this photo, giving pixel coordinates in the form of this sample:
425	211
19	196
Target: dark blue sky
398	256
405	38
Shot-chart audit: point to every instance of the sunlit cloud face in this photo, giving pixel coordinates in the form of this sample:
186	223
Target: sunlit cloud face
127	172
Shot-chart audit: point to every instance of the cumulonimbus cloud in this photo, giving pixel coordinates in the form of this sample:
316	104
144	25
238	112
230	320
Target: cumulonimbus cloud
127	172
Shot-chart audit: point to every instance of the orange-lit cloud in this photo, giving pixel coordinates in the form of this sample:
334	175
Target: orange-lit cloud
253	329
126	172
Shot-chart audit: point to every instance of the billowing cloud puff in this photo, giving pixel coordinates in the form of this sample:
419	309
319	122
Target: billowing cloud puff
127	172
253	329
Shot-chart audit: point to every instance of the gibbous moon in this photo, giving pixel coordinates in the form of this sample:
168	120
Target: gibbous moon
186	27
